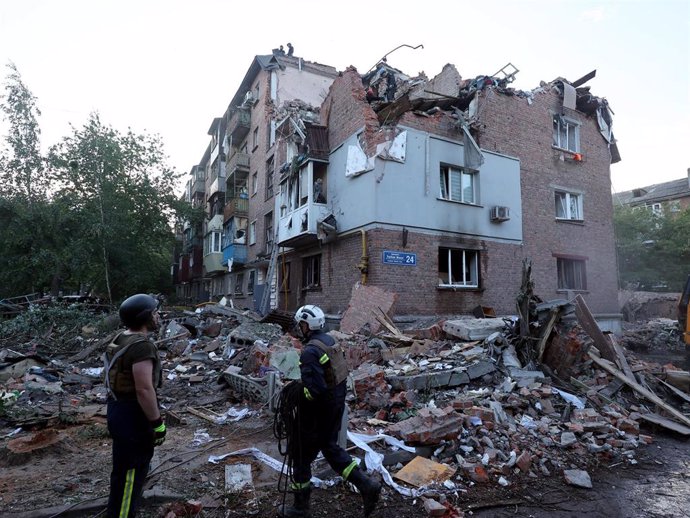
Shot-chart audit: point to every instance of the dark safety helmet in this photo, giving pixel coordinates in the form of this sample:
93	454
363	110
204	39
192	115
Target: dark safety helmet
137	310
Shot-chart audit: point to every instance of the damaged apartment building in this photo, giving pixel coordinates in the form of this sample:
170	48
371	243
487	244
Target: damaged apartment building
433	189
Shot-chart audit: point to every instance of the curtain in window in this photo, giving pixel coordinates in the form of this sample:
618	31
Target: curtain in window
455	185
467	187
561	207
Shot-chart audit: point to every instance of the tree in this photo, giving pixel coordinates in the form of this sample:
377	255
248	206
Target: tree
21	170
123	191
653	250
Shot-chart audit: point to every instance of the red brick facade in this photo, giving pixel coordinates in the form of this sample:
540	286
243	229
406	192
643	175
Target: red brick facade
509	125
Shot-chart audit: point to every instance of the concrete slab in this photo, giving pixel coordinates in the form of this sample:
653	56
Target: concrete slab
473	328
449	378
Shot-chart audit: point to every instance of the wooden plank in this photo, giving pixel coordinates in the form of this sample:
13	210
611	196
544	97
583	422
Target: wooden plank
547	332
666	423
620	357
589	324
607	366
198	413
387	325
673	389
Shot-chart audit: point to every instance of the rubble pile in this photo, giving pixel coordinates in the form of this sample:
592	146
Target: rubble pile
476	401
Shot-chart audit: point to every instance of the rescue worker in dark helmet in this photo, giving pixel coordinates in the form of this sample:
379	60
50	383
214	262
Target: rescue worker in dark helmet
132	374
324	376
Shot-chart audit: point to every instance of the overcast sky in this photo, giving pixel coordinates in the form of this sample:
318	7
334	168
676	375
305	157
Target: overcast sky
170	67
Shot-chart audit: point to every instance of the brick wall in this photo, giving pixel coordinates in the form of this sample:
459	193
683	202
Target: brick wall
416	286
509	125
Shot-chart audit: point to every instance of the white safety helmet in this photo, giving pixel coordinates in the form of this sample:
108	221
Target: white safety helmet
312	315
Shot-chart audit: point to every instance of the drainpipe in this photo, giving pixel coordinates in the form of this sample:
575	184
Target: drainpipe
363	265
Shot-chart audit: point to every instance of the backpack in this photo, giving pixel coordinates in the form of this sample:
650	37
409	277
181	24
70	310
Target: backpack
333	362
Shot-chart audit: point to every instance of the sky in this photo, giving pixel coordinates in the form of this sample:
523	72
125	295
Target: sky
169	67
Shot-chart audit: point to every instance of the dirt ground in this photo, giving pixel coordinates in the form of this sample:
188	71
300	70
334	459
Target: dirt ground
76	469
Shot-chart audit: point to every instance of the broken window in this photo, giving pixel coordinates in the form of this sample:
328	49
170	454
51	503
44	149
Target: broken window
284	199
255	139
239	283
252	233
269	178
268	225
568	205
457	267
571	274
255	183
458	184
285	277
250	282
566	134
320	182
311	272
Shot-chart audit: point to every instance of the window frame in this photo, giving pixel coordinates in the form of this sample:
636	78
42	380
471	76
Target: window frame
557	121
567	195
213	238
255	139
252	233
268	230
284	277
270	173
580	277
446	183
311	272
255	183
475	264
238	289
251	282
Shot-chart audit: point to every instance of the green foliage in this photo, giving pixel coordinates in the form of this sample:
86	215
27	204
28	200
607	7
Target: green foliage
653	251
39	320
21	171
97	212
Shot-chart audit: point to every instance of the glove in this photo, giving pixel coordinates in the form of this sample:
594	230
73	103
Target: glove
158	431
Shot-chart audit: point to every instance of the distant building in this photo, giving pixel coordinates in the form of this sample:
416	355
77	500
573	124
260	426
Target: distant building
662	198
435	189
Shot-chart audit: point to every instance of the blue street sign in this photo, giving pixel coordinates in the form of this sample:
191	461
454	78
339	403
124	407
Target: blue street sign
400	258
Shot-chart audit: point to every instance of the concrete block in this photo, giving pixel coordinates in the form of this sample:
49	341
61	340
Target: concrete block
577	477
473	329
449	378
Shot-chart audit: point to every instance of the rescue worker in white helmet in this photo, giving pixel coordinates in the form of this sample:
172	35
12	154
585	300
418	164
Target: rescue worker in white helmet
324	373
132	374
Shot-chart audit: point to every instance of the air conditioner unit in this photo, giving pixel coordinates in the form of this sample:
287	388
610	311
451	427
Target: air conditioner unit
500	214
249	99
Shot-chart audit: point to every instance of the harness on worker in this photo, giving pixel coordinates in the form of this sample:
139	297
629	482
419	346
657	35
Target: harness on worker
115	379
333	362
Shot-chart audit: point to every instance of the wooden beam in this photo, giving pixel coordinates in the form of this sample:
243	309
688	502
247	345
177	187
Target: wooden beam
620	357
547	332
589	324
666	423
607	366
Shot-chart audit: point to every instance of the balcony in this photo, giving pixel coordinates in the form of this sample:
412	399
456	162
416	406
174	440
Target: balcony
236	252
300	227
240	124
239	162
213	263
235	207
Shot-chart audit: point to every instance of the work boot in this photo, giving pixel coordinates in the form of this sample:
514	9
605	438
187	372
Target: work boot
300	509
369	487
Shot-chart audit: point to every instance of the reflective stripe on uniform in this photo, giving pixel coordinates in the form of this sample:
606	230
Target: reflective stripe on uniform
307	394
298	486
127	494
323	359
348	470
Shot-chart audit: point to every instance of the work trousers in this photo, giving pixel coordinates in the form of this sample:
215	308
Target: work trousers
132	452
317	431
